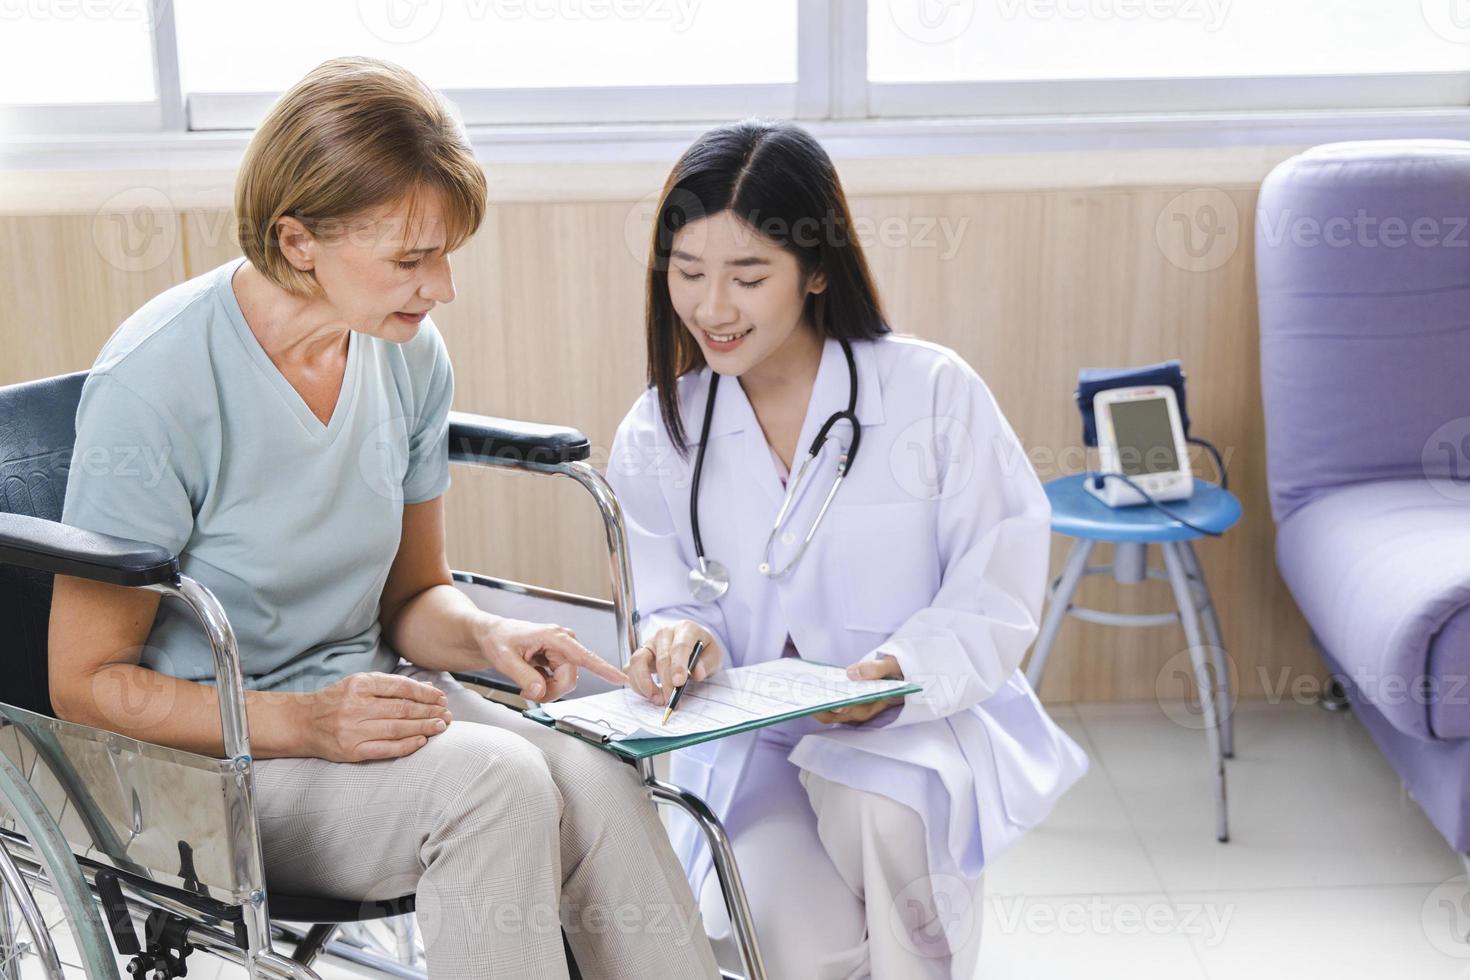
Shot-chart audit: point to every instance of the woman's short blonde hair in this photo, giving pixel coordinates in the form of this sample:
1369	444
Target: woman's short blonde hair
354	135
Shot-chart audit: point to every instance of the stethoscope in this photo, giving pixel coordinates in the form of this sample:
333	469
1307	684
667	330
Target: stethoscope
709	579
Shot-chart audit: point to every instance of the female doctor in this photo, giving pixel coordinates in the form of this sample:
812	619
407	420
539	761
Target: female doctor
860	833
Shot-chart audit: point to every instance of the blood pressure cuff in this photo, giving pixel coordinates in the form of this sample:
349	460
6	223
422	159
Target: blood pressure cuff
1092	380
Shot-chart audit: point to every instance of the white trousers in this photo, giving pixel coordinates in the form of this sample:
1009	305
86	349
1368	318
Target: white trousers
839	882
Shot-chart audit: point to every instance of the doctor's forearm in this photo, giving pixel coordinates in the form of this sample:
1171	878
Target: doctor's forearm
438	629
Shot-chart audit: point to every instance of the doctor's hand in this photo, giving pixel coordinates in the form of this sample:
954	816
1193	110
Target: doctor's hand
881	668
541	657
666	653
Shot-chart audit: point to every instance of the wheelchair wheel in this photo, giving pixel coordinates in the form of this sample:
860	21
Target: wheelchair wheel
394	940
36	940
49	922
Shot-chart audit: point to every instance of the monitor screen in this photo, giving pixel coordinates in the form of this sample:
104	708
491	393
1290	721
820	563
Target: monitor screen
1145	437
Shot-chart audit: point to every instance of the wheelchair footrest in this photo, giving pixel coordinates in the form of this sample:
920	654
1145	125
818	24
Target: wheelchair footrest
168	948
167	935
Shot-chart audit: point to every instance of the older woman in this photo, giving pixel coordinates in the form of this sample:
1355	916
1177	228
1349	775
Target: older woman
292	410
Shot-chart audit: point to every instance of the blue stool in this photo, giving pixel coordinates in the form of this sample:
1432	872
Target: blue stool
1080	515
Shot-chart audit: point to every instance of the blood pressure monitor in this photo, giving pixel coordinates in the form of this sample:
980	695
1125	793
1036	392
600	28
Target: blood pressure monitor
1140	436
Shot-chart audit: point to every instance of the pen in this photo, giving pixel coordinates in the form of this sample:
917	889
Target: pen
693	659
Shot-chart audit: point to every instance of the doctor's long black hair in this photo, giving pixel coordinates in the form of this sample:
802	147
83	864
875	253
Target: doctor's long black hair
777	179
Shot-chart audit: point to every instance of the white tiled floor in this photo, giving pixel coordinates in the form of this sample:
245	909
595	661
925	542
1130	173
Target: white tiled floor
1331	871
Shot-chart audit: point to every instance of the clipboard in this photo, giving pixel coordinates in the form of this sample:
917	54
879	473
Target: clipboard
637	749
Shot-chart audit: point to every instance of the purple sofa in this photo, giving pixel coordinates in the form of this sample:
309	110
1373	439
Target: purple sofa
1363	276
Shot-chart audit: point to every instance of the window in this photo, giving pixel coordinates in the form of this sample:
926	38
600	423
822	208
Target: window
503	60
1028	56
1035	40
39	57
171	65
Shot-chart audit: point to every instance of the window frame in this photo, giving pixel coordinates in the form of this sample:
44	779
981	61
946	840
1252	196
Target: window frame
831	89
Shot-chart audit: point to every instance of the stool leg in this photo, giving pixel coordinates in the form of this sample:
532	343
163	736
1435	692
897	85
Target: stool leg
1226	696
1056	609
1184	597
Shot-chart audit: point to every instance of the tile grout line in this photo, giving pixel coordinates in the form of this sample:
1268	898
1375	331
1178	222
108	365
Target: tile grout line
1147	855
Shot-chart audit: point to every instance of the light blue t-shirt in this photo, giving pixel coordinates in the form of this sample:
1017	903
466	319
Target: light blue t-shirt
190	438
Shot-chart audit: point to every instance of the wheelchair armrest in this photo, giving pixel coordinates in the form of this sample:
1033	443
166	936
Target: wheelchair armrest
486	439
48	546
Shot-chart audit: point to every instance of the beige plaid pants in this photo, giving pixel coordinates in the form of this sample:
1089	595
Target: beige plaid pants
508	832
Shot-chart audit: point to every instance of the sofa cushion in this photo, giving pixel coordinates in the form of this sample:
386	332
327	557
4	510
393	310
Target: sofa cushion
1381	570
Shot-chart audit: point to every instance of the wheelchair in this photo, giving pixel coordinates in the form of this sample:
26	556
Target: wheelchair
117	850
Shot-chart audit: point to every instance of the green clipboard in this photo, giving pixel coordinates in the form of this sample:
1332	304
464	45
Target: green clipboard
636	749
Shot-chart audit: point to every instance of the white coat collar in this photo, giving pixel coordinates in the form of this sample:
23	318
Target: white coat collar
734	413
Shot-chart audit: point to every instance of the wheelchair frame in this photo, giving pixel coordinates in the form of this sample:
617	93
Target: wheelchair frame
219	902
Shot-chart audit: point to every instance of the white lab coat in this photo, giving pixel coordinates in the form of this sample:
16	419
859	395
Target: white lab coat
934	551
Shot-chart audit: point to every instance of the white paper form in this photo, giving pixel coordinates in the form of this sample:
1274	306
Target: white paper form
731	697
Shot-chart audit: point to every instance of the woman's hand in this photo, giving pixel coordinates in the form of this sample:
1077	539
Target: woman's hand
542	658
666	653
868	670
374	715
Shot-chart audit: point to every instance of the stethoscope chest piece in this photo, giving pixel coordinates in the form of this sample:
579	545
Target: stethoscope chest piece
708	580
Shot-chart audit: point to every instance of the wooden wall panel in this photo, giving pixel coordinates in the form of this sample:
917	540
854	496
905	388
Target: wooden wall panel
1029	285
67	281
